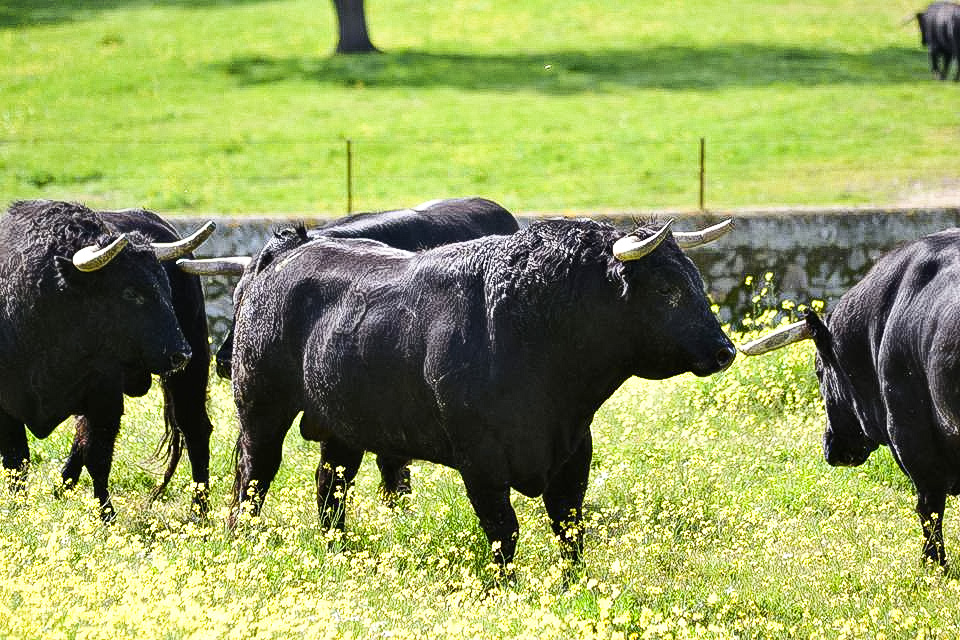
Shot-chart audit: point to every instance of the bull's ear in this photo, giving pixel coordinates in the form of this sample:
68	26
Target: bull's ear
67	272
820	334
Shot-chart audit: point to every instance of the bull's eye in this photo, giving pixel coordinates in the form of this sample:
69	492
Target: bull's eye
132	295
665	290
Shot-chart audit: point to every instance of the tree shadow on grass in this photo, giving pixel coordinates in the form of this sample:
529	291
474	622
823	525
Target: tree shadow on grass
26	13
667	67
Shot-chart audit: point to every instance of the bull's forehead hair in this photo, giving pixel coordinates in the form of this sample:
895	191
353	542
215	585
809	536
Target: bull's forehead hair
644	226
298	230
67	226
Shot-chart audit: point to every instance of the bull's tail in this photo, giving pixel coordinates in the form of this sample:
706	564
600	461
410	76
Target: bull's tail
237	490
170	446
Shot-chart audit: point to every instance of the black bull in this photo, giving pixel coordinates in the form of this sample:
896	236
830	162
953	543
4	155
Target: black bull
76	339
888	363
940	33
430	224
489	356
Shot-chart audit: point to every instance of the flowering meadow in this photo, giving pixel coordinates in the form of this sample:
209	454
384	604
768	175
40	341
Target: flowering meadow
710	514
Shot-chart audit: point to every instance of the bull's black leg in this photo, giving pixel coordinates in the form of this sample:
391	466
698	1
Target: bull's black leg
394	478
563	499
930	506
98	459
186	397
259	452
336	471
497	518
70	473
935	64
257	465
14	450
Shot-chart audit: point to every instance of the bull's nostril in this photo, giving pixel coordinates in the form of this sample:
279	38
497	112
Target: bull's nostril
179	360
725	356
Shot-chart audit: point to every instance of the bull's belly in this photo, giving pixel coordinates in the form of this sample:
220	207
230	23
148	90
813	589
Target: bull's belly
388	438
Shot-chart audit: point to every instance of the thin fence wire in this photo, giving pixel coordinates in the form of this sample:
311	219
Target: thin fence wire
692	172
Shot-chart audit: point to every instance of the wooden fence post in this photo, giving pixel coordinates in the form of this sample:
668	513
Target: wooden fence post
703	171
349	176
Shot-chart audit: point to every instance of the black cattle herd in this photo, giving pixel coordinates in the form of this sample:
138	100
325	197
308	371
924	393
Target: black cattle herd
443	333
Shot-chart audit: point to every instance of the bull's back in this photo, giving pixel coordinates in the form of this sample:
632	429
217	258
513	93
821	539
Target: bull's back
427	226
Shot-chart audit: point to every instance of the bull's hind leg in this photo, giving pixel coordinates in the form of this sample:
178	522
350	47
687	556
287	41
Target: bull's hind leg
14	450
185	397
336	471
263	427
563	499
394	478
930	506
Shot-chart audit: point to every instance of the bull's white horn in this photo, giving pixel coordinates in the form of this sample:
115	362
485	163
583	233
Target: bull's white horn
630	247
775	340
180	248
93	257
226	266
691	239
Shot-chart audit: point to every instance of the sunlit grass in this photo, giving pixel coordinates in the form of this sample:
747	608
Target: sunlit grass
710	513
545	105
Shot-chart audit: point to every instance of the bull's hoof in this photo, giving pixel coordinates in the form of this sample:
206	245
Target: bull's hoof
200	505
395	498
65	486
108	515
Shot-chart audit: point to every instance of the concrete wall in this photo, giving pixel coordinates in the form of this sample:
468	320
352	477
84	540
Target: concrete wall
812	253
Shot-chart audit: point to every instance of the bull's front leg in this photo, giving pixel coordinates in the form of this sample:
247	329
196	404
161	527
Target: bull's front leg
14	450
497	518
563	499
930	506
97	452
70	473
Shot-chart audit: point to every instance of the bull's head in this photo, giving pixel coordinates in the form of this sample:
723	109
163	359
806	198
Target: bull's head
133	313
845	442
682	334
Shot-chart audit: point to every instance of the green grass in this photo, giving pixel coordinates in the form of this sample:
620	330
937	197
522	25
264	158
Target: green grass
710	513
543	105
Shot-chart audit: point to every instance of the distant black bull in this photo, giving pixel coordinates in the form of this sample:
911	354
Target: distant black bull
430	224
81	327
888	361
489	356
940	33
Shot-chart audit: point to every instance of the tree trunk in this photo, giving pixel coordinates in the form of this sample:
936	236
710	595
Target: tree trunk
353	27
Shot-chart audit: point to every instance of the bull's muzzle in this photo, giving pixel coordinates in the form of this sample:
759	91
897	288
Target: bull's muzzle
177	361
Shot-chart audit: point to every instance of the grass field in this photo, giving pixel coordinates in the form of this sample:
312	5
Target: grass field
546	105
710	514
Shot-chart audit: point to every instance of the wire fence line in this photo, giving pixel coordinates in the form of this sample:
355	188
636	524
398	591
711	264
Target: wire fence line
692	172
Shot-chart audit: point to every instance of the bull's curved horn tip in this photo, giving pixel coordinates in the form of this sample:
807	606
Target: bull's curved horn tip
179	248
691	239
631	248
231	265
776	340
91	258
